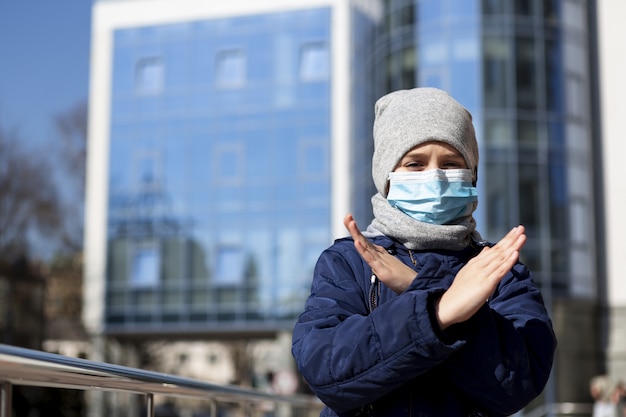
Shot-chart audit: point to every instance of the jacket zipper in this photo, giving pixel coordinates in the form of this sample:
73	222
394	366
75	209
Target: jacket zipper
374	292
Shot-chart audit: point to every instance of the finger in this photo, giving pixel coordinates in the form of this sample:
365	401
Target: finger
493	259
347	219
366	252
508	239
347	222
496	262
514	242
352	227
511	242
365	248
515	238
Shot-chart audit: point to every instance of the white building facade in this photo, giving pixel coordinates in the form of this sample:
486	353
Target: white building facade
612	66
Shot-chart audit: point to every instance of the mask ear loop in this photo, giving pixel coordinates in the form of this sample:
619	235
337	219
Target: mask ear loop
475	177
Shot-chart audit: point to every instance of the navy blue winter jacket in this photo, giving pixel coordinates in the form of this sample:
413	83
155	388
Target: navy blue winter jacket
367	351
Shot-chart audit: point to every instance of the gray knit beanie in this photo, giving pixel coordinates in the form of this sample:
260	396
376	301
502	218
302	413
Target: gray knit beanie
407	118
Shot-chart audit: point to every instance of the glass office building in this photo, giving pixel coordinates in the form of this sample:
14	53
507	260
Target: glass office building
523	70
228	138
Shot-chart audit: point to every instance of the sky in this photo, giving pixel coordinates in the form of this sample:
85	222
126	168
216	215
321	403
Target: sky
44	73
44	64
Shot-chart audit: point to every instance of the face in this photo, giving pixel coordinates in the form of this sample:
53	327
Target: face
431	155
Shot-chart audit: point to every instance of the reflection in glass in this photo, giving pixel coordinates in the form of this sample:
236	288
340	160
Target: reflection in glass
497	58
314	62
230	69
207	207
229	267
526	73
149	76
527	134
529	195
494	7
498	132
145	266
498	207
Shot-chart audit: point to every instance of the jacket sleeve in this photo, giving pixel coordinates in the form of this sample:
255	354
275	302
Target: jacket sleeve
508	356
350	357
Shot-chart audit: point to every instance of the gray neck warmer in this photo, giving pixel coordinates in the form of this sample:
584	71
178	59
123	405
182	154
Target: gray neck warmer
403	120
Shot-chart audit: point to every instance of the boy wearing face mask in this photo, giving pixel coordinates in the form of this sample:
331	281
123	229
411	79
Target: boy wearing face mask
418	315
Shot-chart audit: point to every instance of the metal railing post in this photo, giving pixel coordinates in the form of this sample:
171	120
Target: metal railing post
213	407
6	397
149	405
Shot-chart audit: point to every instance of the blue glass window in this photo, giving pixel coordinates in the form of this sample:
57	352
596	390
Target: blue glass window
149	76
230	68
314	62
145	266
229	163
313	158
146	168
230	265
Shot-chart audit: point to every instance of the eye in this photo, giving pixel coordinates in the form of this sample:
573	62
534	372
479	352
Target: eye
413	165
454	164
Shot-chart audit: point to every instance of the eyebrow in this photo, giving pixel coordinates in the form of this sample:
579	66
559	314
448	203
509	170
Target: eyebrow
419	152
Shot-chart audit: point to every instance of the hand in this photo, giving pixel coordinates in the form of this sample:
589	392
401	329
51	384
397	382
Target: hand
389	269
478	279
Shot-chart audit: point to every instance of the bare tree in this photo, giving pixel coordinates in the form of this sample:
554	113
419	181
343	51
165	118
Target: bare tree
72	129
29	206
72	126
242	360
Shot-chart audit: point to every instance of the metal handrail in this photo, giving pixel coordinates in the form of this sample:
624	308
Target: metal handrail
20	366
561	409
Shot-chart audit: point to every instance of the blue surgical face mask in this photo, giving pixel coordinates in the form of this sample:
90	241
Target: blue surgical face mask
434	196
